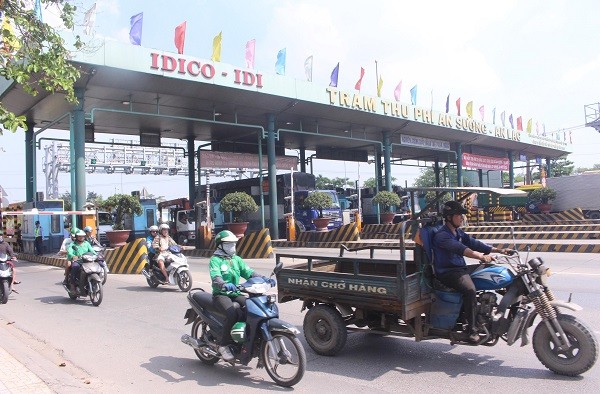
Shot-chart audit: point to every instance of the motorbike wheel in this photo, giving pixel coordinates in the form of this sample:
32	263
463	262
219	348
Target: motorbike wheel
578	358
105	277
5	292
284	358
152	282
184	280
199	329
325	330
96	293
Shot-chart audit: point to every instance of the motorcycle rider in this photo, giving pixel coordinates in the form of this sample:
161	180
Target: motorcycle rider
90	238
77	248
450	247
153	230
225	269
64	248
161	245
6	249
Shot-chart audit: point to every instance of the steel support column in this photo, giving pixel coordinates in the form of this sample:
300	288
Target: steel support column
30	180
191	170
548	167
511	170
302	159
387	153
272	171
459	175
77	128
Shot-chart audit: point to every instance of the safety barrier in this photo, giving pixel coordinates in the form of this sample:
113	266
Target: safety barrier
329	239
475	215
569	214
47	260
502	216
127	259
253	245
560	248
381	231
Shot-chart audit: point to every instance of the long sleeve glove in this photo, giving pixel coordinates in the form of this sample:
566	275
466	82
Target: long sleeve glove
229	287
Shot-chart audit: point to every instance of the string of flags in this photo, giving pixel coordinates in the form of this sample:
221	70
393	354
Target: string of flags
135	38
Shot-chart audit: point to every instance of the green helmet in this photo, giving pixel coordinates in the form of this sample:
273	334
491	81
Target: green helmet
238	332
74	230
225	236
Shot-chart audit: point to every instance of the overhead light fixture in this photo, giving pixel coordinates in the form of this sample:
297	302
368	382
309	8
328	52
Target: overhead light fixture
289	123
218	114
125	102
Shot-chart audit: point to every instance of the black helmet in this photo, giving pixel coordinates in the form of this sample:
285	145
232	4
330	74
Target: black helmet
453	208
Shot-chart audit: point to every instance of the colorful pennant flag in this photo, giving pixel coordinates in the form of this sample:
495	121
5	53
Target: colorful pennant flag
334	76
469	109
379	86
503	118
570	136
520	123
494	115
216	50
135	31
88	20
250	48
397	91
180	37
413	95
280	64
359	82
308	67
448	103
482	112
529	125
510	120
458	106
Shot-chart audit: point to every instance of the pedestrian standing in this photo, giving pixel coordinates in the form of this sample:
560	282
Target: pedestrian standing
39	237
19	237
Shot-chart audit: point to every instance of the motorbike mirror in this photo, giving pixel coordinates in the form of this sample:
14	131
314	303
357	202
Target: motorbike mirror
278	268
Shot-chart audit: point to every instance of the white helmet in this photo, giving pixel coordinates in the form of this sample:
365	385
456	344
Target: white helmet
153	228
164	226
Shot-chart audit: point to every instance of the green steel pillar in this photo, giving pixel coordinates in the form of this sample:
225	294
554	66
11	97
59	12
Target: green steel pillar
387	153
378	175
511	170
77	127
29	163
459	176
302	159
191	170
272	174
548	167
436	170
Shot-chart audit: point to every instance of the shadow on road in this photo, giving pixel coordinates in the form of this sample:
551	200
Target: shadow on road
379	355
175	369
148	289
65	300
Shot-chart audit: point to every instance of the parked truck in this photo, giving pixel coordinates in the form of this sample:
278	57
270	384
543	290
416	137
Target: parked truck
577	191
180	216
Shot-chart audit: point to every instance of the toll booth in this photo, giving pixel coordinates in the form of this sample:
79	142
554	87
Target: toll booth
52	226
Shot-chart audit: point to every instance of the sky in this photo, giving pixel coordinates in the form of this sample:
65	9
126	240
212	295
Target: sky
537	59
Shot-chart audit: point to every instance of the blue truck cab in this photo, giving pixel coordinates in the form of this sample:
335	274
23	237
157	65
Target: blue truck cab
305	215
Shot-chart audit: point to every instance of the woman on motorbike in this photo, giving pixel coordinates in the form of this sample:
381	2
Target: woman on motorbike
225	269
153	230
161	245
6	249
77	249
90	238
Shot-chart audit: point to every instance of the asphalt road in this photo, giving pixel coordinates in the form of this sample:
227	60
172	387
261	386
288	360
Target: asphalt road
131	343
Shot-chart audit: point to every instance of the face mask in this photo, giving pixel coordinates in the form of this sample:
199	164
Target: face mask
229	248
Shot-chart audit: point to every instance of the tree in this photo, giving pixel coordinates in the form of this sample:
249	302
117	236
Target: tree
323	183
122	205
561	167
372	182
33	54
91	197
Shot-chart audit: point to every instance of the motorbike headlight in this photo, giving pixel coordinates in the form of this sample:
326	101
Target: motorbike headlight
535	263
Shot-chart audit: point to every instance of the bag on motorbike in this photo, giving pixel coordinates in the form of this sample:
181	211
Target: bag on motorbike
445	309
238	332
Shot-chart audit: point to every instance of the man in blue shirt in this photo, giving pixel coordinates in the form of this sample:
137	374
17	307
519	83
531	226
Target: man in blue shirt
450	247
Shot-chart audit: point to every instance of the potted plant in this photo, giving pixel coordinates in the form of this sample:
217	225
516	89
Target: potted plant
238	204
544	195
387	200
319	201
121	205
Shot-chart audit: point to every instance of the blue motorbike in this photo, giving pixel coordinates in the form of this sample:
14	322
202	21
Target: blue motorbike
261	334
510	295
